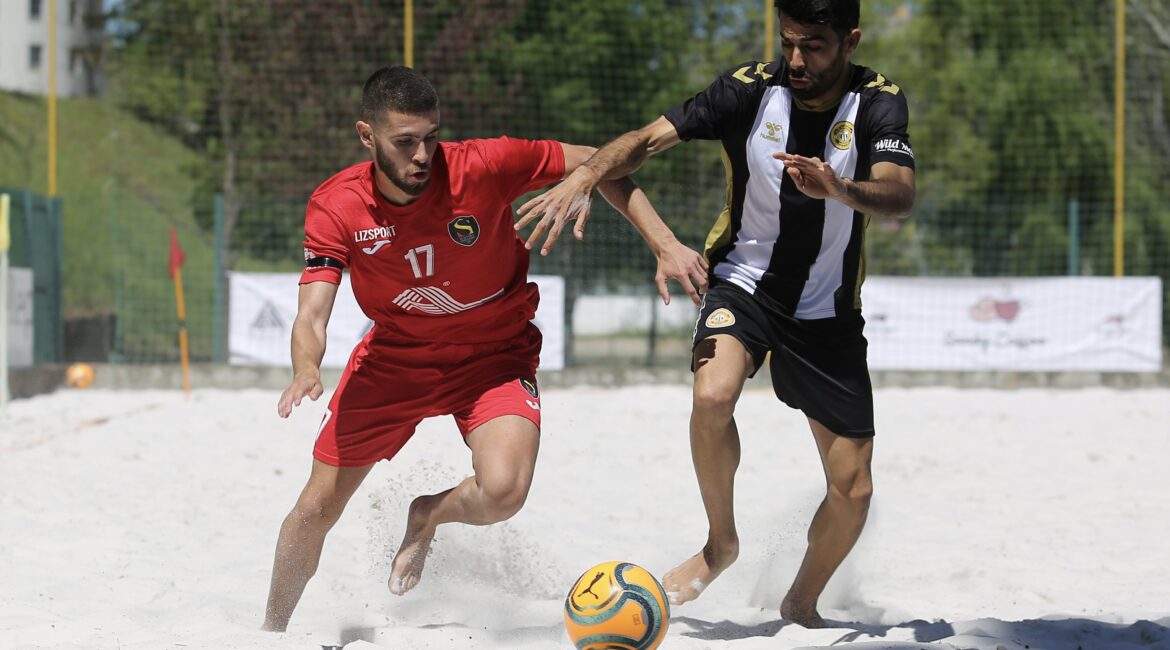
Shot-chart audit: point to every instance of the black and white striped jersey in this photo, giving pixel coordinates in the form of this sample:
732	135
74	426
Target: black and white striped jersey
804	257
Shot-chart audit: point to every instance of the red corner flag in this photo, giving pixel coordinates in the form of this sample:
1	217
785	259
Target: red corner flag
177	256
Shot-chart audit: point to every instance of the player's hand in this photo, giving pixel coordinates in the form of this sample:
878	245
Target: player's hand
683	265
813	177
303	385
568	201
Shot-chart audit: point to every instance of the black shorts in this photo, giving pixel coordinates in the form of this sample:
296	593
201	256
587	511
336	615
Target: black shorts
817	366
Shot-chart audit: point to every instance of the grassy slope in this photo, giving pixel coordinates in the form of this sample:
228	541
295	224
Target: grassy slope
123	185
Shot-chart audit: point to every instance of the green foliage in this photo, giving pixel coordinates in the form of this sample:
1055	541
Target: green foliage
1012	119
1011	106
123	185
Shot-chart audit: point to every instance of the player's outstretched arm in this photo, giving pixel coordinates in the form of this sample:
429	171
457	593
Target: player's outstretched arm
675	260
314	307
889	192
570	200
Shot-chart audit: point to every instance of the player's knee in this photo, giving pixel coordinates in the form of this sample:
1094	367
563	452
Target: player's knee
503	500
715	398
316	513
854	491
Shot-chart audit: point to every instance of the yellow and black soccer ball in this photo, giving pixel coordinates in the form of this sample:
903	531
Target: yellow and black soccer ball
79	375
617	606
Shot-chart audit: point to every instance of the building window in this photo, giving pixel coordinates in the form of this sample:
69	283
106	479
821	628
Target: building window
34	9
34	57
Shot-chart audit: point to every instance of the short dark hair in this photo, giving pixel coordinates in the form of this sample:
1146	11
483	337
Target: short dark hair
841	16
399	89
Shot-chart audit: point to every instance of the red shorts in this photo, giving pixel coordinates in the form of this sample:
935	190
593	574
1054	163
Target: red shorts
387	389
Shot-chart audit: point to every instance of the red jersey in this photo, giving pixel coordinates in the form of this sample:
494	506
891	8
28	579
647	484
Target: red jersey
449	266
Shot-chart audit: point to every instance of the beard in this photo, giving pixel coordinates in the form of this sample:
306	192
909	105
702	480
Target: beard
820	83
400	177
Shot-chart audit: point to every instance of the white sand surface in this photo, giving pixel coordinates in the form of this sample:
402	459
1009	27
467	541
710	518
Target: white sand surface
1001	519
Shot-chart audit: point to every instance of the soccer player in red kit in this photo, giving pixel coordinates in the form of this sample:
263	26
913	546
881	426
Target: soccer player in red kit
426	232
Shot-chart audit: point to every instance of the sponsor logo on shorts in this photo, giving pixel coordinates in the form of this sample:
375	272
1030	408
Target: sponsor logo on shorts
721	318
534	405
529	385
464	230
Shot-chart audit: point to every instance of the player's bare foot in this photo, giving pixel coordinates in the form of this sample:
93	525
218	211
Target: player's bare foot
802	613
407	567
687	581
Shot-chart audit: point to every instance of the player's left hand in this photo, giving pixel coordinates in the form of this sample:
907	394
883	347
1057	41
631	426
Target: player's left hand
683	265
568	201
814	177
303	385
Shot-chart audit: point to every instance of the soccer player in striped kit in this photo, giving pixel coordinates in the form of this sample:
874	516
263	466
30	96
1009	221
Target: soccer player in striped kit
425	231
814	145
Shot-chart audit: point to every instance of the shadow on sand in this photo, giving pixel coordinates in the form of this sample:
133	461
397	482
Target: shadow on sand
508	637
1033	634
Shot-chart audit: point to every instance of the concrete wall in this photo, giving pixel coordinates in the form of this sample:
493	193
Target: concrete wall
27	382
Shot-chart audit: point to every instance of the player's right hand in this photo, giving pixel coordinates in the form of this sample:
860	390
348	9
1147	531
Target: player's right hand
684	265
303	385
568	201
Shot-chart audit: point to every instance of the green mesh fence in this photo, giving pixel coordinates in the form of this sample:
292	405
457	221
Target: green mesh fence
219	117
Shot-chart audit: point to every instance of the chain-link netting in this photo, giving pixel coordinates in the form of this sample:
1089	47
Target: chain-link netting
219	117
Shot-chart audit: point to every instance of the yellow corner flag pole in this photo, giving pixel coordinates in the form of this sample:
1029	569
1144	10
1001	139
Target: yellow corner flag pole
408	34
4	241
176	264
769	30
52	97
1119	141
183	352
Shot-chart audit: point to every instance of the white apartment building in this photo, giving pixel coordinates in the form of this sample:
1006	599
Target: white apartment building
24	46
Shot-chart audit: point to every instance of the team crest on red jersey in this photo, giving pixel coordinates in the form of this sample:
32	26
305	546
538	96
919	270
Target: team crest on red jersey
529	385
464	230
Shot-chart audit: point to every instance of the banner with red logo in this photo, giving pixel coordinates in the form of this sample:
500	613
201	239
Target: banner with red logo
263	306
1038	324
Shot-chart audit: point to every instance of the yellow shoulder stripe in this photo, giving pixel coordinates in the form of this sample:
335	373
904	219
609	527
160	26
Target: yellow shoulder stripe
885	85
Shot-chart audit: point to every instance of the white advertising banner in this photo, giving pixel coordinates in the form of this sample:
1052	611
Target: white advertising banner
550	318
1039	324
20	317
263	306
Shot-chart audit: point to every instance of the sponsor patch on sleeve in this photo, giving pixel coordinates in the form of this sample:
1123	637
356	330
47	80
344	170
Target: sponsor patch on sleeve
893	145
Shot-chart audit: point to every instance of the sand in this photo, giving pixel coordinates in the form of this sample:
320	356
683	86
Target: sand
1001	519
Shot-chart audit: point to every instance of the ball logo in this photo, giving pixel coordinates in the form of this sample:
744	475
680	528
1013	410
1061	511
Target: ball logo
464	230
842	135
721	318
617	605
